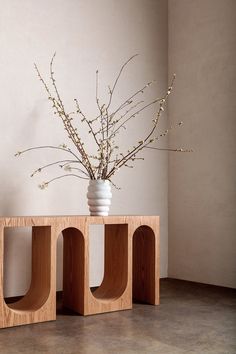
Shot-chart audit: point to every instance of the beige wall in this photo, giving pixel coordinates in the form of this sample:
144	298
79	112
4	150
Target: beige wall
202	193
102	34
87	35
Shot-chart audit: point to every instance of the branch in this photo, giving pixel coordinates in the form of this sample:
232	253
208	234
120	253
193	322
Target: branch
45	184
48	147
122	125
60	110
69	169
143	143
169	149
117	78
129	100
87	121
52	164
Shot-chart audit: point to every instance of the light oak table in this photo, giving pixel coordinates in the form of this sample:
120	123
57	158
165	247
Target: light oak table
131	266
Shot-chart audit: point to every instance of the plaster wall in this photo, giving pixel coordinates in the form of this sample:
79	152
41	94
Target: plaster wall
87	35
202	193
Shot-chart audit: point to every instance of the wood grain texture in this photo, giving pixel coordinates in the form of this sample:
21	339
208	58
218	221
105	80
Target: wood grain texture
131	255
144	276
116	263
73	269
38	305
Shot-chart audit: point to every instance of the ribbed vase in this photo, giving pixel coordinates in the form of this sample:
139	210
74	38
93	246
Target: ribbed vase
99	197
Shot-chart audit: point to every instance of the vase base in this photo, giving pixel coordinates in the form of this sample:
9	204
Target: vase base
100	213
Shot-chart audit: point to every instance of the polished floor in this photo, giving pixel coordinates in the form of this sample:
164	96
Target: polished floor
192	318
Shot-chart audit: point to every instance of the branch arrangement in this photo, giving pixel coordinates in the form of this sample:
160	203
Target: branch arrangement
104	129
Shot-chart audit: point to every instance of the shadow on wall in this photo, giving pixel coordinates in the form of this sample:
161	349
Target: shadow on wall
11	202
17	260
17	245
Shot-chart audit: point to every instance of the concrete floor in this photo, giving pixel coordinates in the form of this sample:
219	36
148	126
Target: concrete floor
192	318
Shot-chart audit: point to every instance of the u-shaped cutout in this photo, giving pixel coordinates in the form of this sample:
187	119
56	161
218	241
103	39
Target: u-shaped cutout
116	263
144	263
39	290
73	268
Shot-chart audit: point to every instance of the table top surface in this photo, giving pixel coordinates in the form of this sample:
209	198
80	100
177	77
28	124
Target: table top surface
19	221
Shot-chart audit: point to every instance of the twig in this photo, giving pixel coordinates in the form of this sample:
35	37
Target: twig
169	149
52	164
45	184
117	78
48	147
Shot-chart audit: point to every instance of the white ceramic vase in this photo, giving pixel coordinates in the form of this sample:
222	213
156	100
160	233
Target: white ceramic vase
99	197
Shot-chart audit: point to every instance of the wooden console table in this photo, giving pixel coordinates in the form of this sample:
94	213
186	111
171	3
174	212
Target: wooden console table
131	268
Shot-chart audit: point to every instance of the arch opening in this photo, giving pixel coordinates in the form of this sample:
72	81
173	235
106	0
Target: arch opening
144	265
115	263
39	289
72	255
